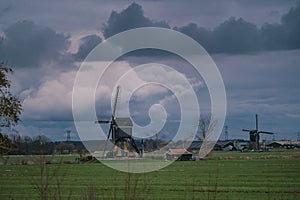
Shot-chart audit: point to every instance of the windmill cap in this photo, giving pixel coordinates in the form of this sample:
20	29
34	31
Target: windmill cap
123	122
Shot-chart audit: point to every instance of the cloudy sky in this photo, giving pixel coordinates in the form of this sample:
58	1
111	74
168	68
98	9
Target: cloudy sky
255	44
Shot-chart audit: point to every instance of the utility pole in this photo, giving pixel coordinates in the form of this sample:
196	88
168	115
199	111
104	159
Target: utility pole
226	133
68	135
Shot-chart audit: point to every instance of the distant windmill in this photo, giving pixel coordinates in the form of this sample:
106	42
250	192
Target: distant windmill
254	135
120	129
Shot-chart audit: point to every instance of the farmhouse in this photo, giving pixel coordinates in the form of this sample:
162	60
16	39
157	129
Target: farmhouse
284	144
231	145
179	154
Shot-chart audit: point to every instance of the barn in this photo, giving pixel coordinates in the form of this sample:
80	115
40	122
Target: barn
179	154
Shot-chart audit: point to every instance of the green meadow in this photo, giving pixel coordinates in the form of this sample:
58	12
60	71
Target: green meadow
223	175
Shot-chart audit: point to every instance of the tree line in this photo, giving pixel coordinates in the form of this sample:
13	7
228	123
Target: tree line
25	145
38	145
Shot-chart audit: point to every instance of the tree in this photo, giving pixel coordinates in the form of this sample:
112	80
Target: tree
65	147
207	127
5	147
26	143
5	144
41	145
16	141
10	108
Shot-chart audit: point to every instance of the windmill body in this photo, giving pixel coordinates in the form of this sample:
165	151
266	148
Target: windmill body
120	131
254	135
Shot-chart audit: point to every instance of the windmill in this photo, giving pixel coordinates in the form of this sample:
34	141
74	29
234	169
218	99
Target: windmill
120	130
254	135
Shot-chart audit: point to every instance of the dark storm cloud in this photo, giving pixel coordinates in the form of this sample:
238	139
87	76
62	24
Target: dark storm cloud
284	35
233	36
291	23
239	36
131	17
28	44
87	44
200	34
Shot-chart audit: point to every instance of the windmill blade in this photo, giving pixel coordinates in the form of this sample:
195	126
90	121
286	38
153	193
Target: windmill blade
116	100
265	132
256	121
247	130
109	132
102	121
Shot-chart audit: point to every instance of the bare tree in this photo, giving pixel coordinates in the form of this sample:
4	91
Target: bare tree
207	125
42	145
47	179
61	147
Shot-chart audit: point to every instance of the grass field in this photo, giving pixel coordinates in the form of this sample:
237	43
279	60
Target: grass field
224	175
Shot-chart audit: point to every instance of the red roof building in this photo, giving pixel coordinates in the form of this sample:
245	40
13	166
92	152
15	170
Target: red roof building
179	154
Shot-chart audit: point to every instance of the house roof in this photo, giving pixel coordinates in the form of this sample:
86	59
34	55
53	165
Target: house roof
286	142
180	151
